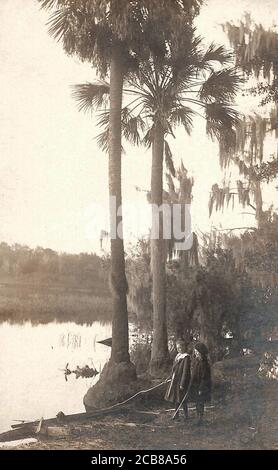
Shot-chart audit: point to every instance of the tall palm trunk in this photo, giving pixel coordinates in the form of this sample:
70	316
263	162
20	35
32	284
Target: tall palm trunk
118	282
160	354
112	386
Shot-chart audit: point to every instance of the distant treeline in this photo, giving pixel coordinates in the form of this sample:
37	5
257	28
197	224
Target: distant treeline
43	265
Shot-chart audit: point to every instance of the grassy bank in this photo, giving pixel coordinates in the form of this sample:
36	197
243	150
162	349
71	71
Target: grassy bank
44	303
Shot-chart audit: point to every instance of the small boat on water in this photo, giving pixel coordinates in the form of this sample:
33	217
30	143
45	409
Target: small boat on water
106	342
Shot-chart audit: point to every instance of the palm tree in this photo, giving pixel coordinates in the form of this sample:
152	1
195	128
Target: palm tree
88	29
169	96
163	95
115	36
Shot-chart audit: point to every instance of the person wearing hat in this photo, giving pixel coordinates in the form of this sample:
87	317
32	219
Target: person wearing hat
199	389
180	379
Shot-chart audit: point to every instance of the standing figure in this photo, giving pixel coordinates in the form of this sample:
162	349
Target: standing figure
199	389
180	379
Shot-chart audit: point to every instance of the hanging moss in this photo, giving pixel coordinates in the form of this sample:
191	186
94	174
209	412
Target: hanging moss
255	48
256	251
249	137
219	197
180	192
256	53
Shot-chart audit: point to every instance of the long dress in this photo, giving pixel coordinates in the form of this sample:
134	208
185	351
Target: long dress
200	384
180	378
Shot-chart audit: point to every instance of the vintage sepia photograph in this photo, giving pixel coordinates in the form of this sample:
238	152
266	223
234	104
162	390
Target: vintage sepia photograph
139	228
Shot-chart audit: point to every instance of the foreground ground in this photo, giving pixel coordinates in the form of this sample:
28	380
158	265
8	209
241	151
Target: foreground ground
234	424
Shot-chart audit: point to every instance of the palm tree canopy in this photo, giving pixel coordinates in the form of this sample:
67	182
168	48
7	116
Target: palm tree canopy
192	80
90	29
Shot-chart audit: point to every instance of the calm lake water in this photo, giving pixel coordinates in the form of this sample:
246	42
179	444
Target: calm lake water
32	359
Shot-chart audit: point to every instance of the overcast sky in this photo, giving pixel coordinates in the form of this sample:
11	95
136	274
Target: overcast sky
53	178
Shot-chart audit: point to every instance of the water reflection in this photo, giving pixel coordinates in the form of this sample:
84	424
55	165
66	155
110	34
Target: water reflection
32	360
70	340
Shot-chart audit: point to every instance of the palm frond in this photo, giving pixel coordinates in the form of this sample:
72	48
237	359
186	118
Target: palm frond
103	140
216	53
148	137
183	115
221	86
83	29
169	159
220	118
185	62
91	95
61	23
103	119
132	127
49	4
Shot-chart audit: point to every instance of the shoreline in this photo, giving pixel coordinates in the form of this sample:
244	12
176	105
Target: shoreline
227	426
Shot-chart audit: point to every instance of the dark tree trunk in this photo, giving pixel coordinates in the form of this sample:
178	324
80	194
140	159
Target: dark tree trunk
116	381
210	329
118	282
160	353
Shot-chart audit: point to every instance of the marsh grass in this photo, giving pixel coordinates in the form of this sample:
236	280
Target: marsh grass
43	304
